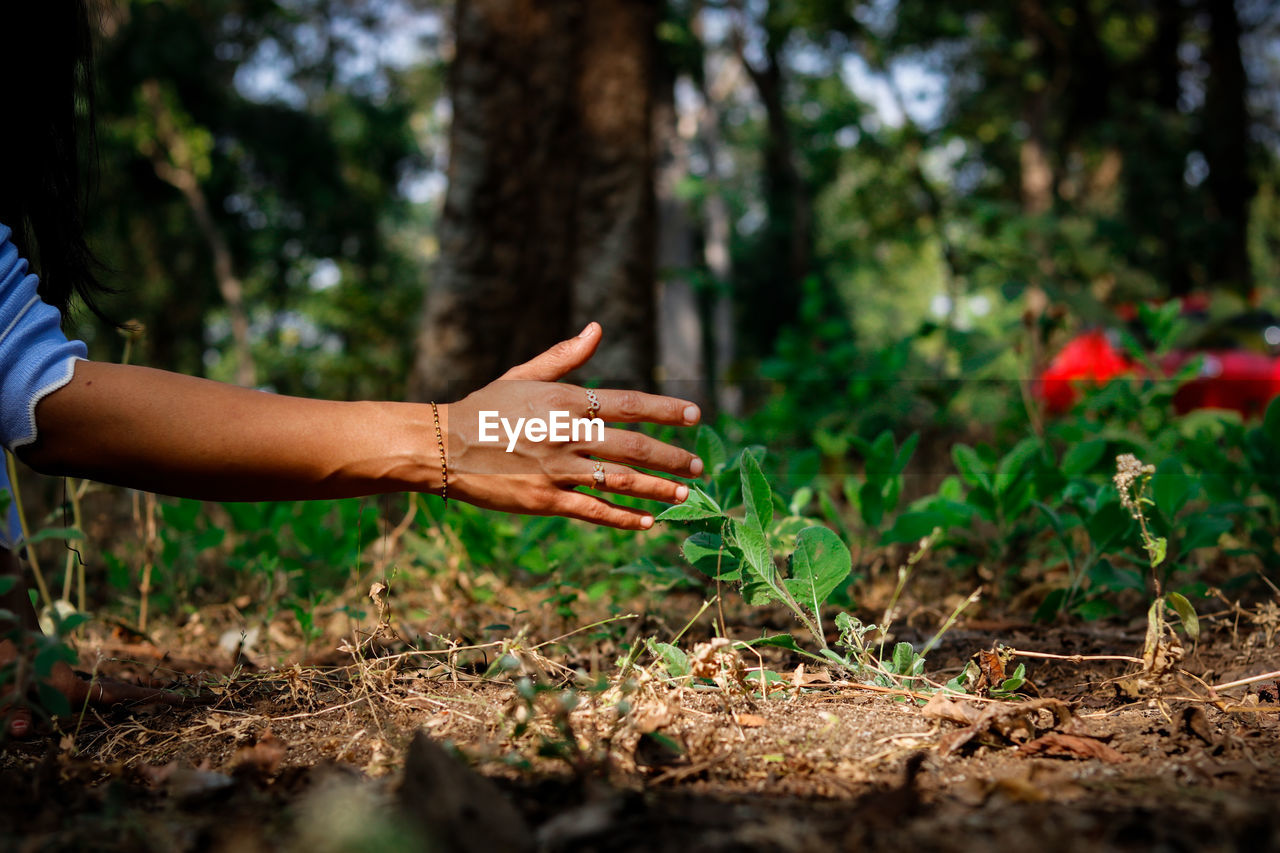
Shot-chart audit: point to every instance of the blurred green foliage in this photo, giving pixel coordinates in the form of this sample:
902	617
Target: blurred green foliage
888	246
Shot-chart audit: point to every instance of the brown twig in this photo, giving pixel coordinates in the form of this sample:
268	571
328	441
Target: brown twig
1072	658
1243	681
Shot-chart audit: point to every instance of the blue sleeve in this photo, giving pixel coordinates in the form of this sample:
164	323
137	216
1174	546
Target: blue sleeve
36	359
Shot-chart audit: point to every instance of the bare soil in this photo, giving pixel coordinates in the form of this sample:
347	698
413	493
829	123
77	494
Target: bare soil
321	755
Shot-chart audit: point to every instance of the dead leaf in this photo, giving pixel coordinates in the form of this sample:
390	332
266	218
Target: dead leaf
1059	745
1194	722
750	721
652	716
263	758
991	666
941	707
1006	725
705	662
801	678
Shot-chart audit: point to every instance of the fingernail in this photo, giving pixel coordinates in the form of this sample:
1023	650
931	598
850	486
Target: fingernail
690	414
682	492
587	330
19	728
646	522
695	467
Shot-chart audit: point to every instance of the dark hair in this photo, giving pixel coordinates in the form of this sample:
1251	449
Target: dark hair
48	154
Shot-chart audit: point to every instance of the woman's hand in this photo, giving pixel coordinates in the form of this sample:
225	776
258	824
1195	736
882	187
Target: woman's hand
179	435
542	477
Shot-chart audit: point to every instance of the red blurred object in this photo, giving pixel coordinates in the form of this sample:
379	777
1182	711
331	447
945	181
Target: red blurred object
1233	379
1089	356
1238	380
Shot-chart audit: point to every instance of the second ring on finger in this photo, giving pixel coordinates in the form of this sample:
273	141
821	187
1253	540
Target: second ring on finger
608	477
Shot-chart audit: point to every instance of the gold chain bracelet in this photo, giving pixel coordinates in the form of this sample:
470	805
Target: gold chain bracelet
444	468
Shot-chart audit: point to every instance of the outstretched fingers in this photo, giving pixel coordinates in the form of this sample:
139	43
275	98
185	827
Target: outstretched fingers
589	508
637	406
623	480
642	451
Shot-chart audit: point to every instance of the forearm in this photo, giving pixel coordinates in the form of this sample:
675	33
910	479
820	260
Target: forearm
178	435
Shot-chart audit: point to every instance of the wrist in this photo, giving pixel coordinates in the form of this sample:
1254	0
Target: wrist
440	425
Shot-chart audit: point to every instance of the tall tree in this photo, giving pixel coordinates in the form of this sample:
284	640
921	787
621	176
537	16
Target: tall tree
221	197
549	215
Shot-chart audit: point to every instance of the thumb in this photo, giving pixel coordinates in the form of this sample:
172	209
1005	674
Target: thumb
562	358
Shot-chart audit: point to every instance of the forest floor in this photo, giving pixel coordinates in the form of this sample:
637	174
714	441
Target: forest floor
327	753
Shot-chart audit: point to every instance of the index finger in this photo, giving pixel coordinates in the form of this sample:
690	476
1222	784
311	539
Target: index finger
637	407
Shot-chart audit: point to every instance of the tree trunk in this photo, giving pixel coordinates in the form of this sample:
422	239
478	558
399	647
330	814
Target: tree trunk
775	303
1226	147
549	216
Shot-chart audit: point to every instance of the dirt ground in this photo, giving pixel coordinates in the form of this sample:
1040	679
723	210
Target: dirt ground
330	755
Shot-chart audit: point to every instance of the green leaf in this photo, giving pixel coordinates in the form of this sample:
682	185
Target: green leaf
757	593
1051	606
1107	524
871	503
904	659
1015	501
72	621
675	660
710	449
800	500
834	658
50	654
1083	457
1060	529
911	527
1204	531
757	497
831	513
53	699
697	506
1271	422
778	641
1098	608
882	450
821	563
7	583
1171	487
905	452
706	551
1104	575
756	553
702	546
972	469
1014	463
66	533
1187	613
1158	551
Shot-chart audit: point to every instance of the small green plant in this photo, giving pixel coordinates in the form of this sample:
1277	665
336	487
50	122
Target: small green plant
1132	481
741	551
738	546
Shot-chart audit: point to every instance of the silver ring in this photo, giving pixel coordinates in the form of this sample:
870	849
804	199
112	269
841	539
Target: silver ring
598	474
593	404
